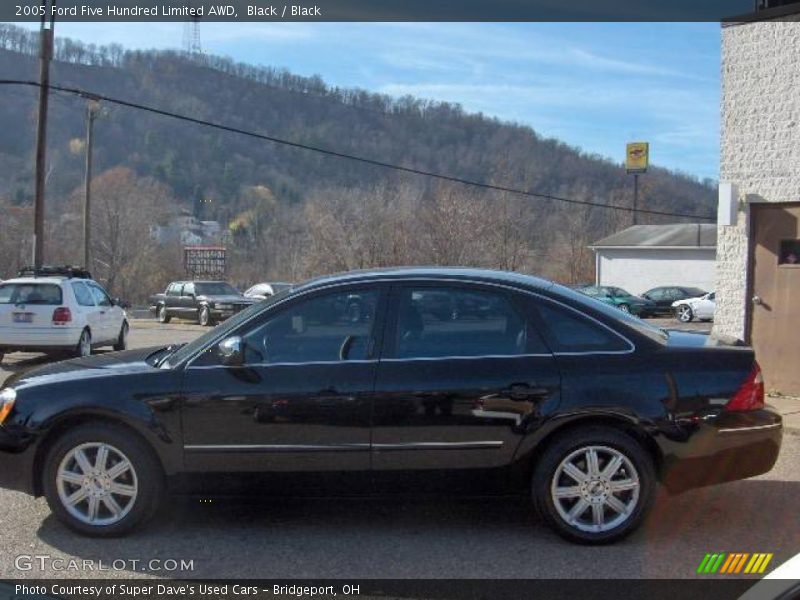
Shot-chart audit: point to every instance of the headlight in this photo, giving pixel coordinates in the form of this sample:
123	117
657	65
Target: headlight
7	398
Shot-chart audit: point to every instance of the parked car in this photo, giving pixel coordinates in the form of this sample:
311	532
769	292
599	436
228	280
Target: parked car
57	309
553	395
265	290
664	297
207	302
623	300
701	308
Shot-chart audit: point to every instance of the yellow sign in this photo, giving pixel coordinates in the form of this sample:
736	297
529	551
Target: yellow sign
637	157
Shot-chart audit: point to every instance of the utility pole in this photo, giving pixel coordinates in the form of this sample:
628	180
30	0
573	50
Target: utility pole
635	198
45	55
92	108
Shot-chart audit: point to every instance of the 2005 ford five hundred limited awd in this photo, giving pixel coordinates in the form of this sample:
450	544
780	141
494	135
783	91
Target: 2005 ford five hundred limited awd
399	381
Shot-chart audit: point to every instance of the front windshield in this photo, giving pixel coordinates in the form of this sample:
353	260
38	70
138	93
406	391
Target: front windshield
654	333
222	330
216	288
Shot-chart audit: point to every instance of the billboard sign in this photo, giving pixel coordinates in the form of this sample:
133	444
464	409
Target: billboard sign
637	157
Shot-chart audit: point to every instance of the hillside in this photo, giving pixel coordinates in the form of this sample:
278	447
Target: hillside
213	173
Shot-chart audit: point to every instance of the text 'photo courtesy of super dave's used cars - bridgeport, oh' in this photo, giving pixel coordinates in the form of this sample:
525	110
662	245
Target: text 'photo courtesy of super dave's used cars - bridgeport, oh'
389	381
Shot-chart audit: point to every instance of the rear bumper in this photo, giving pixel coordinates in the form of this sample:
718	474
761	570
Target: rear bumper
734	446
38	338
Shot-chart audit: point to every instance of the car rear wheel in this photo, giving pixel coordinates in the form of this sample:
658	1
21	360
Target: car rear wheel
122	339
162	315
684	313
84	347
101	480
594	485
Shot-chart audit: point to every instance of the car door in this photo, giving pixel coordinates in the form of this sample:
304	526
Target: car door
187	301
172	299
705	307
662	301
302	401
106	315
88	309
457	388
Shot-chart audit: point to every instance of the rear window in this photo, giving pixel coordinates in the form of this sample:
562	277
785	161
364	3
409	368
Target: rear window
30	293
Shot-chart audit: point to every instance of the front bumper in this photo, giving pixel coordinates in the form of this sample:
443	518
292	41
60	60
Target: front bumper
17	456
732	446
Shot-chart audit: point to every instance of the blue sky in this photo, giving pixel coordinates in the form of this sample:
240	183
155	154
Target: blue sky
592	85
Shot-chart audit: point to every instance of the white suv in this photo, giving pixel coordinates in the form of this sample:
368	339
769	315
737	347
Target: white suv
57	309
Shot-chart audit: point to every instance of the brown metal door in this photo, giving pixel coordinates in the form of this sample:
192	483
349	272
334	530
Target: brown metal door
774	320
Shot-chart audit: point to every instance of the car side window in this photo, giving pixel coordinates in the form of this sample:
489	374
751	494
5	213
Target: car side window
188	289
100	296
568	331
328	328
657	295
82	294
174	289
434	322
712	297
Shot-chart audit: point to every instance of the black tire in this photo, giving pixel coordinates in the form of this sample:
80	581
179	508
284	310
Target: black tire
571	443
149	477
122	338
162	315
684	313
204	317
84	347
624	308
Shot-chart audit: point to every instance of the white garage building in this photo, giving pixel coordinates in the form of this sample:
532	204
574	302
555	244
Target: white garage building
646	256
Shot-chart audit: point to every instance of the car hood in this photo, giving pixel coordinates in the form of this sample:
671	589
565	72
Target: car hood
226	298
127	361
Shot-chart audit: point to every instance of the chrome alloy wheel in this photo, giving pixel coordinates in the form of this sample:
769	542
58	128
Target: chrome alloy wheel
97	484
595	489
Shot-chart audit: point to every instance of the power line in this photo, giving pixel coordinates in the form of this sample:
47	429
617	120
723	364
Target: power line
343	155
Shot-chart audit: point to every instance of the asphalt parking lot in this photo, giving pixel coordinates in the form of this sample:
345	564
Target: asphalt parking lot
391	538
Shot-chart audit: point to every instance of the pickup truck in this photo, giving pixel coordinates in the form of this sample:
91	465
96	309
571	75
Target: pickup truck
207	302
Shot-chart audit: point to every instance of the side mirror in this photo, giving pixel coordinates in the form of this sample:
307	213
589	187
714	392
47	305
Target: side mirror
231	351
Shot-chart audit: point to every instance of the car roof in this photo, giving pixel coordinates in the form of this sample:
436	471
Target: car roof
432	273
53	279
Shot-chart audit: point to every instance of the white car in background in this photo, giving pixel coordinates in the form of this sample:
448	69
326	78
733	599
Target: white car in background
59	309
701	308
263	291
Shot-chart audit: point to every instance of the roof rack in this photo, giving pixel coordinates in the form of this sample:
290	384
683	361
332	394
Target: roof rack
48	271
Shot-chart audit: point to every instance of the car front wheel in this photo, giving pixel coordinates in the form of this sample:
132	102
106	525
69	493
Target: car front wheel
122	338
625	308
162	315
101	480
685	314
594	485
204	317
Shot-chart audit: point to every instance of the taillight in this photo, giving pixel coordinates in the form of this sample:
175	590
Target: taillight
62	315
750	396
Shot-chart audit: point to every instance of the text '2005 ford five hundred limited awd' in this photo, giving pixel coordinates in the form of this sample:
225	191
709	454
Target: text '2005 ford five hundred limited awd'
398	381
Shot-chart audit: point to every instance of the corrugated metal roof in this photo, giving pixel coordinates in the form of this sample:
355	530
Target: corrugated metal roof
662	236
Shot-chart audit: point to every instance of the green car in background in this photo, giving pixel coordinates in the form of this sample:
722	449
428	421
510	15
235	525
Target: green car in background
623	300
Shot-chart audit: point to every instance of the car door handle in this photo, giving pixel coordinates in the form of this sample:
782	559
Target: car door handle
523	391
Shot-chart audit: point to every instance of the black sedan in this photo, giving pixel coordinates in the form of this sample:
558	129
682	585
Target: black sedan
543	392
663	297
